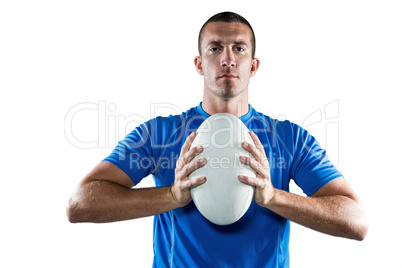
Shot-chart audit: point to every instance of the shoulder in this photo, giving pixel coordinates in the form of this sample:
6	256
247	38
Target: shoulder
282	128
279	134
162	130
170	123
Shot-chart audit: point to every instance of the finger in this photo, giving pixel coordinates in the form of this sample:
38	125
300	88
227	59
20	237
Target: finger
184	149
194	182
257	142
187	157
253	150
257	182
190	167
187	144
255	165
193	152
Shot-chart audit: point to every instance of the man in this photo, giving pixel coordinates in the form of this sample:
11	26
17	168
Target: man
161	147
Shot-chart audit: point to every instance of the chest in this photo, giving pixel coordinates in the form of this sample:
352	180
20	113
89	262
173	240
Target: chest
277	151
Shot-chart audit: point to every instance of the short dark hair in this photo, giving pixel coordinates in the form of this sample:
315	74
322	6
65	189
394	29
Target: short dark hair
228	17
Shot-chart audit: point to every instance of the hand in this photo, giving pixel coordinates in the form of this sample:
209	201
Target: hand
264	190
180	189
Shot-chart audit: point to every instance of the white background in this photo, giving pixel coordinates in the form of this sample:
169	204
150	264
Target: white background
127	56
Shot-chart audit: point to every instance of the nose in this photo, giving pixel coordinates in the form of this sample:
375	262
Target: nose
228	59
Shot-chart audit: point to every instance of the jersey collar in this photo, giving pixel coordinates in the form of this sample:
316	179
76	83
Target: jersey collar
243	118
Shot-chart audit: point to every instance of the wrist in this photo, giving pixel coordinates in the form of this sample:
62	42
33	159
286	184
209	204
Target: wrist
172	198
273	200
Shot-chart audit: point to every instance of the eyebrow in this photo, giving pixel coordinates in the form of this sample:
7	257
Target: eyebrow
242	43
218	43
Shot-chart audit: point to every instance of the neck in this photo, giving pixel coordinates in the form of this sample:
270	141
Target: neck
237	106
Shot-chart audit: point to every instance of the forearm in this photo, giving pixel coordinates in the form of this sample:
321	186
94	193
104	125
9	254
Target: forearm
105	201
334	215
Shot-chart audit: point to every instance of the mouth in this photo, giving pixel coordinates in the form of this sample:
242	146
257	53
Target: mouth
227	76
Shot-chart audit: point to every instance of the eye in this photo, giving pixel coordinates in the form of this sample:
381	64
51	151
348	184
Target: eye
239	49
214	49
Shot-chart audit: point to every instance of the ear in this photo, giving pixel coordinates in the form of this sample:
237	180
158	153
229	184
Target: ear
255	64
198	66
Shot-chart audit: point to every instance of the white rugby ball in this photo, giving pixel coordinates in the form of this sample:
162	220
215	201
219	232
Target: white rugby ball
222	199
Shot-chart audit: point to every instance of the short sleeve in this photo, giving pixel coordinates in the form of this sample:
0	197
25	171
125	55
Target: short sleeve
311	168
134	153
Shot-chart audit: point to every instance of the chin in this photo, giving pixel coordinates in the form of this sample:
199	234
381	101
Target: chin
226	91
227	94
231	92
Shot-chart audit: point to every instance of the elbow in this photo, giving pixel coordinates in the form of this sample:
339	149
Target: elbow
362	231
73	212
77	207
360	235
358	223
362	226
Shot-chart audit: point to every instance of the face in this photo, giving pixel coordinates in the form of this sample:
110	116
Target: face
226	59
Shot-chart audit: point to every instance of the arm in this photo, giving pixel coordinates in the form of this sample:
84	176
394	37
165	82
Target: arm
105	194
334	209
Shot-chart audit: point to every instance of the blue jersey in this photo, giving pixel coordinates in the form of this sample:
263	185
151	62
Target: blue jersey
183	237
